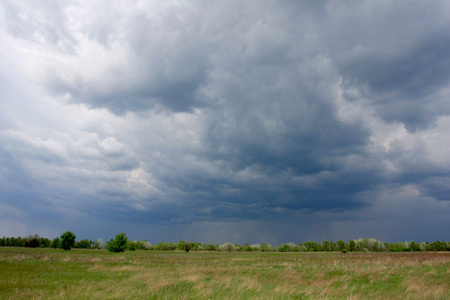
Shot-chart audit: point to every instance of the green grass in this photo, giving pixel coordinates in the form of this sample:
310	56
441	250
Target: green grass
98	274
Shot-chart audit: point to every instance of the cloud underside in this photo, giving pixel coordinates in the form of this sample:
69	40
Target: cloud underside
184	114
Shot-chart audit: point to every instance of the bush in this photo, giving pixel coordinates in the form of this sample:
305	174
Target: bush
56	243
284	248
414	246
143	245
210	247
187	247
98	244
119	244
181	245
395	247
132	246
165	246
44	242
313	246
147	245
84	244
227	247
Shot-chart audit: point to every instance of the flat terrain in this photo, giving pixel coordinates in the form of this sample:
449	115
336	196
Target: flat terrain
97	274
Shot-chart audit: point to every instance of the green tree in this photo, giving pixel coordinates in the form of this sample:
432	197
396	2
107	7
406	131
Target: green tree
352	245
140	245
326	246
211	247
284	248
68	240
84	244
165	246
312	246
227	247
266	247
56	243
181	245
414	246
342	246
438	246
119	244
397	247
32	241
44	242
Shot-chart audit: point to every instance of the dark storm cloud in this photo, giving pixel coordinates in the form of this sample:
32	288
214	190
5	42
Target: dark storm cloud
399	51
314	115
401	85
414	73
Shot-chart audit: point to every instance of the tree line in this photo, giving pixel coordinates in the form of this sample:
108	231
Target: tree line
121	243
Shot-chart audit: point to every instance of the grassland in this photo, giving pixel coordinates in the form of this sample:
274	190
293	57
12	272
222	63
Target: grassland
97	274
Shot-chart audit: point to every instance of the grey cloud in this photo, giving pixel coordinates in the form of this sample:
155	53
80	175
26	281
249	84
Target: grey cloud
165	63
42	22
401	86
233	113
437	187
170	56
398	51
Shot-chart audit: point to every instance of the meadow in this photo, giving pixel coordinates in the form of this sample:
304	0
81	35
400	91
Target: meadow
98	274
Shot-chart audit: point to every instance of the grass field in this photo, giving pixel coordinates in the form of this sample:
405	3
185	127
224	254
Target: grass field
97	274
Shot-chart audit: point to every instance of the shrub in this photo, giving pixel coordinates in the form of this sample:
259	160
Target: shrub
414	246
187	247
119	244
314	246
287	247
395	247
255	247
98	244
44	242
132	246
165	246
438	246
56	243
147	245
181	245
265	247
84	244
227	247
142	245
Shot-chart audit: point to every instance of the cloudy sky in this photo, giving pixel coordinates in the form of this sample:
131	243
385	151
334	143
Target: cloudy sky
216	121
